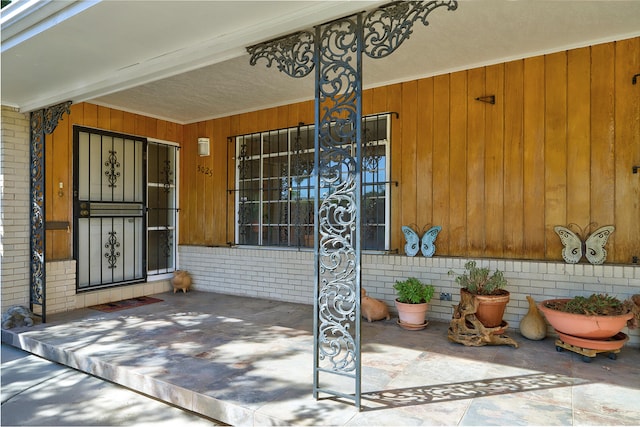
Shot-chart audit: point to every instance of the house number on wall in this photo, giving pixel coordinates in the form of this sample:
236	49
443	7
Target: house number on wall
205	170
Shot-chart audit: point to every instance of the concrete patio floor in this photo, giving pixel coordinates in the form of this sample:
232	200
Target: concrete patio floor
247	361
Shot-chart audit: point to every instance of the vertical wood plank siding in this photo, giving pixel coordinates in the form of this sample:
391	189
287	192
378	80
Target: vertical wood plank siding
627	154
557	147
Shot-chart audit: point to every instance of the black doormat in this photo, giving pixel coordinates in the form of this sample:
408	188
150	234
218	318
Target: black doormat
124	304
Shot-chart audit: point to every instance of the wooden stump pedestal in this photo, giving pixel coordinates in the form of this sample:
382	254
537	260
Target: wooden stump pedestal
465	328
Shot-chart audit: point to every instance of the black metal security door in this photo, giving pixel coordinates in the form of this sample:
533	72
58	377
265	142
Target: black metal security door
109	208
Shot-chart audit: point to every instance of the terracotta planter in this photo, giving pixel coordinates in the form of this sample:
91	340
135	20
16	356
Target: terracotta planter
491	308
581	325
615	342
412	314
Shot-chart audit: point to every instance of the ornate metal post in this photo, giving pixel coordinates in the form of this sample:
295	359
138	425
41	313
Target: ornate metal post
335	49
338	109
43	122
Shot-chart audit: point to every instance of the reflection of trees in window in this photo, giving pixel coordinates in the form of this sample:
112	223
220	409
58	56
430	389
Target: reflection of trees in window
275	192
374	181
301	168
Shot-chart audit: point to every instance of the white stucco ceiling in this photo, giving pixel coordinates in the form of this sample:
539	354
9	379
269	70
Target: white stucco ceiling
186	61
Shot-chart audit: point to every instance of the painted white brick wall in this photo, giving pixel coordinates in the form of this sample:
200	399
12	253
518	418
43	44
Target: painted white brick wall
14	208
287	275
270	274
103	296
62	296
61	286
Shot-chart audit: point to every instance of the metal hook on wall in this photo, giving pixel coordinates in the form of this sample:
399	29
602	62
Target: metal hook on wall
634	79
489	99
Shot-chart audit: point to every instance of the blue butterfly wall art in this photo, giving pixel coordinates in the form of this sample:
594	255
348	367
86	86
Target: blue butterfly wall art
592	247
427	244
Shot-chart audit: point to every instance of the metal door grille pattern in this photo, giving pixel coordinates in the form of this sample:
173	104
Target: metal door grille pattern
335	50
109	208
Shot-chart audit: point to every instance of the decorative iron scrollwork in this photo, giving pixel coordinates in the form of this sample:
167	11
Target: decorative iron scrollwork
45	121
387	27
42	122
166	242
293	53
337	98
370	164
112	254
243	209
301	168
243	166
167	172
112	163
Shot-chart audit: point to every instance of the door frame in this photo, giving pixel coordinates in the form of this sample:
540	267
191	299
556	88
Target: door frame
77	129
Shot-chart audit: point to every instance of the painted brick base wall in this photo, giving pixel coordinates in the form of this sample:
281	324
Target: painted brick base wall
61	286
285	275
14	208
103	296
61	293
269	274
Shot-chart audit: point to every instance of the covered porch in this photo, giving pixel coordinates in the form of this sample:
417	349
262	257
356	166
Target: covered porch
248	361
498	149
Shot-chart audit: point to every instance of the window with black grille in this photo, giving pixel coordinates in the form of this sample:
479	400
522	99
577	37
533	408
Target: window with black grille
275	191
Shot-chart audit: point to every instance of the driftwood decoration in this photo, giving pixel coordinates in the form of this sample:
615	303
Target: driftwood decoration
466	329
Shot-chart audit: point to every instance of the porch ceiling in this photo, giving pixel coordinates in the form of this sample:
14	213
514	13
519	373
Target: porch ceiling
186	61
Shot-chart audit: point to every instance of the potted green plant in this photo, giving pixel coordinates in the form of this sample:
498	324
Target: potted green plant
412	301
488	289
593	322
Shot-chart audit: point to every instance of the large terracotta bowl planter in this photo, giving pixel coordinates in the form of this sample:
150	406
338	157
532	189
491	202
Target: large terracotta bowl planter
581	325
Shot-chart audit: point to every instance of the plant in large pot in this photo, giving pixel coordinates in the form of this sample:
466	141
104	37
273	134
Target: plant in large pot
412	301
488	289
593	322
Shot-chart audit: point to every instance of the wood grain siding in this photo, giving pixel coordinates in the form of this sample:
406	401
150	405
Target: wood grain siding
513	199
578	136
442	167
627	152
494	164
557	147
410	164
533	162
425	151
458	166
603	137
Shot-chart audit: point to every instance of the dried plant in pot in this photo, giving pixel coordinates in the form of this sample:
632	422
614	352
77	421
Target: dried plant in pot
412	301
488	289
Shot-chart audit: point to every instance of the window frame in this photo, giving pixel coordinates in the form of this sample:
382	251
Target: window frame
262	154
165	273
